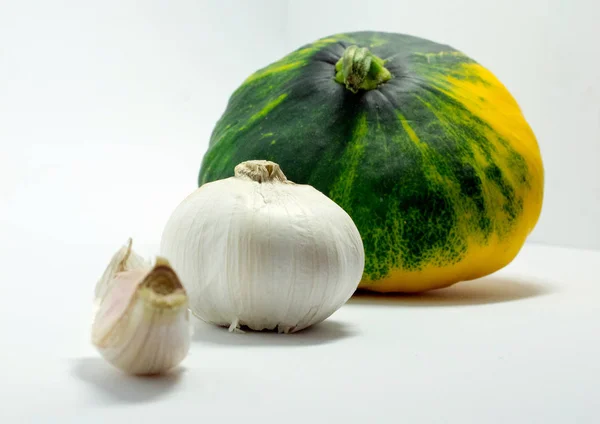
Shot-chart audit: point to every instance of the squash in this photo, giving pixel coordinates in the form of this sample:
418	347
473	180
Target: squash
422	146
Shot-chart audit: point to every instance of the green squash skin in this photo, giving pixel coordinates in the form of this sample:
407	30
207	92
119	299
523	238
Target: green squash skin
405	160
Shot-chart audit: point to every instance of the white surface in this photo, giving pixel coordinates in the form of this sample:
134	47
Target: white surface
520	346
540	49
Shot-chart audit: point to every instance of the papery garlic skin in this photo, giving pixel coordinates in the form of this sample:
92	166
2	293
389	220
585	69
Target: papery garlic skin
259	251
142	324
125	259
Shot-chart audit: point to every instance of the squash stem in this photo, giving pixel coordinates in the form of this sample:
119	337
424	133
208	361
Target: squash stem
359	69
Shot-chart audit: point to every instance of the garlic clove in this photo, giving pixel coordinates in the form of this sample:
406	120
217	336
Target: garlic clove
125	259
142	324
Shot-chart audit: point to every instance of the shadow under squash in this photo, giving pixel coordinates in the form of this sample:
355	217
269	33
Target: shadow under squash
486	290
111	386
327	331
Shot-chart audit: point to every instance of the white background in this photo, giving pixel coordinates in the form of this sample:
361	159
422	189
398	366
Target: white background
106	109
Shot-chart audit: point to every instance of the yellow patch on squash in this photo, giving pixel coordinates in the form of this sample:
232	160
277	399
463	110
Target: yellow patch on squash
486	97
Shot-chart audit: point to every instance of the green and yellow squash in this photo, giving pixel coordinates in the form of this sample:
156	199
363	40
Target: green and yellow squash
425	149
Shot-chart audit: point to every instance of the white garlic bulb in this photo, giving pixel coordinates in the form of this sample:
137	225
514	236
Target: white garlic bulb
141	324
259	251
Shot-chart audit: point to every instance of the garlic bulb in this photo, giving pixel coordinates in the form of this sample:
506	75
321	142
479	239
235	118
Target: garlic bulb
142	322
259	251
